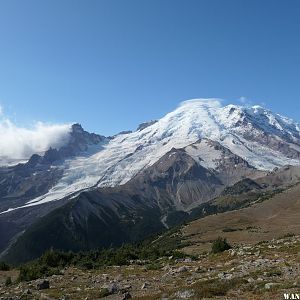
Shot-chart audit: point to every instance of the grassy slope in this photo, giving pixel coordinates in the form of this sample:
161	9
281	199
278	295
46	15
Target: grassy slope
265	220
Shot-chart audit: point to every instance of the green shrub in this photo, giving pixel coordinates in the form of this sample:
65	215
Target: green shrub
178	255
220	245
8	281
54	258
231	229
4	266
153	266
32	271
287	235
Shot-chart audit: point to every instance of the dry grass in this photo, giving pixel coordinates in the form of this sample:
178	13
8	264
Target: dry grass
4	274
263	221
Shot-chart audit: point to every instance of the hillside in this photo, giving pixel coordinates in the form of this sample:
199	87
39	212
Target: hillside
263	221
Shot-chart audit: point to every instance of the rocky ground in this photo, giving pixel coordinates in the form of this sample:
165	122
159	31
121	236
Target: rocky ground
266	270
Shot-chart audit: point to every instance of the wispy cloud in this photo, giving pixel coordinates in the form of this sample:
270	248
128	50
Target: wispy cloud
245	101
217	102
20	143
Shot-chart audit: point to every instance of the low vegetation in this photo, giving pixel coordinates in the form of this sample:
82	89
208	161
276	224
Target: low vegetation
8	281
215	287
220	245
53	261
4	266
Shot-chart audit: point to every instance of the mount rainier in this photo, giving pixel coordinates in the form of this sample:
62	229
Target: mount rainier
101	190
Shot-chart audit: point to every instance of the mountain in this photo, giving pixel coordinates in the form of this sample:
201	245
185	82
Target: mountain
99	191
264	139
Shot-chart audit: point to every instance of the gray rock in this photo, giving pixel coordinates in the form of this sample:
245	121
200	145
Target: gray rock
112	288
224	275
270	285
251	280
186	294
126	288
27	292
182	269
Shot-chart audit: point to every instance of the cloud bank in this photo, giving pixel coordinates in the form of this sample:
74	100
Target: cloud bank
18	143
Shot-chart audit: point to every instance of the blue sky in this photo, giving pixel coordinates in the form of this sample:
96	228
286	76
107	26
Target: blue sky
111	65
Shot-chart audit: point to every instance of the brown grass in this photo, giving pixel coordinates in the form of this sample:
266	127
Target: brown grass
270	219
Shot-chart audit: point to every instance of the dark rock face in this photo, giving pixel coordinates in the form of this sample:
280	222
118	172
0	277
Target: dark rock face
125	132
145	125
79	141
43	284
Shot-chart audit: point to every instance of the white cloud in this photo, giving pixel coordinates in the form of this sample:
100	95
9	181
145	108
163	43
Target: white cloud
245	101
20	143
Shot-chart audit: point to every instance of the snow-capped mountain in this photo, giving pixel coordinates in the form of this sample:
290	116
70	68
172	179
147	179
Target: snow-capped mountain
97	191
263	139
